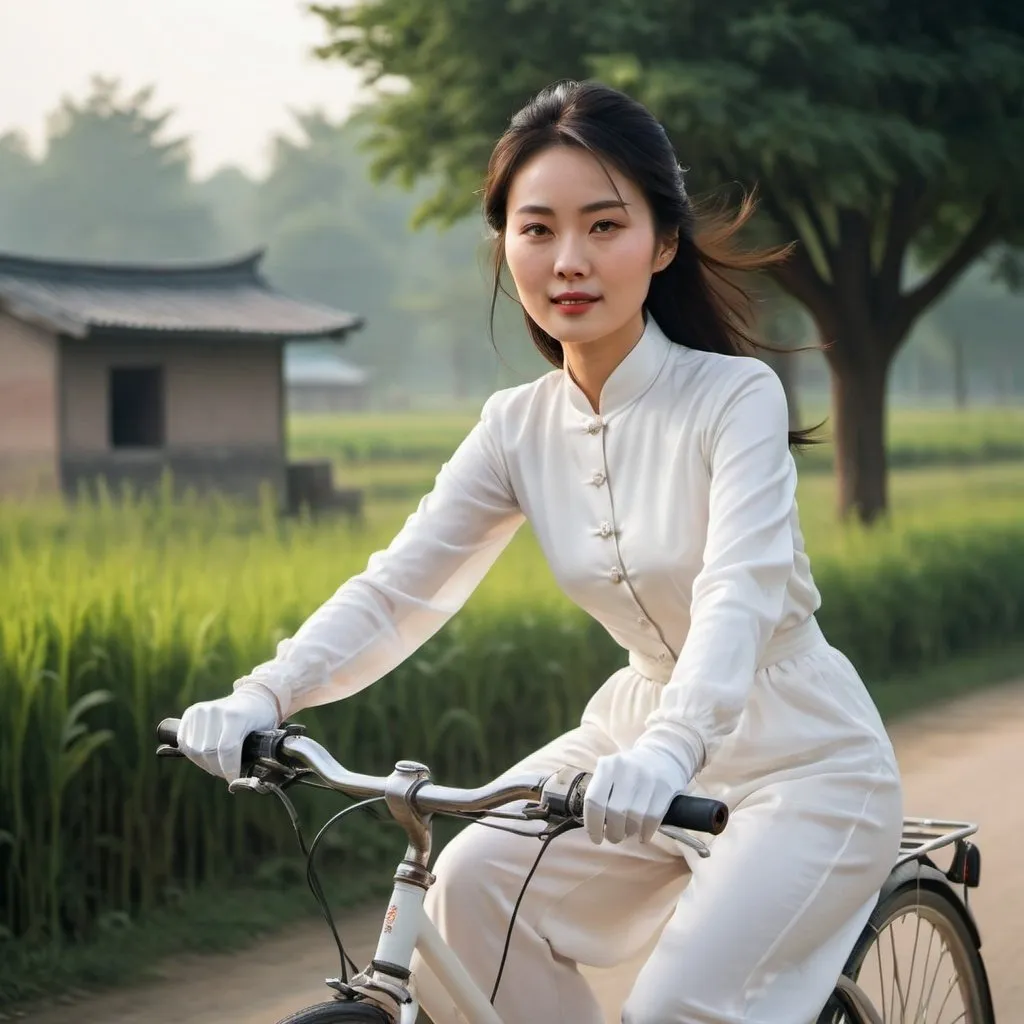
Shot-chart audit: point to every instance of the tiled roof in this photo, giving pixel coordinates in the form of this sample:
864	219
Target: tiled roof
218	299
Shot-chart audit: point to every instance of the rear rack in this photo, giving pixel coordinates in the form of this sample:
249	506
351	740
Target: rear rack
923	835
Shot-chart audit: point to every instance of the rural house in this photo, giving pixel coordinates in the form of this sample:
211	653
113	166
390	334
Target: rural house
319	381
122	371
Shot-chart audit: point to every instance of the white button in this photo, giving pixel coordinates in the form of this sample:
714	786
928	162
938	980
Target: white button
642	623
605	529
663	656
597	479
594	427
616	575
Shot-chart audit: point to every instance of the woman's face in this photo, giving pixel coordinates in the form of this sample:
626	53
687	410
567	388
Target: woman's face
581	257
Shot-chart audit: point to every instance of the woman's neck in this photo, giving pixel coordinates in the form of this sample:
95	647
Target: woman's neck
591	363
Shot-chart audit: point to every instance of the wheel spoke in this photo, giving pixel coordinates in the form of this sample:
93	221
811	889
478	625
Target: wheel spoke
935	976
897	988
954	984
881	979
923	1004
913	960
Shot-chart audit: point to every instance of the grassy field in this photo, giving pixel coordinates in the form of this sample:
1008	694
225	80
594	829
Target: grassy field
360	437
395	457
113	616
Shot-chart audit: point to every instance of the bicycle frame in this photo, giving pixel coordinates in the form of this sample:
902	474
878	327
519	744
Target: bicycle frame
406	929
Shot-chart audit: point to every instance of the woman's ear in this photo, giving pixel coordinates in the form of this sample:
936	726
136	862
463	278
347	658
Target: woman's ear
666	252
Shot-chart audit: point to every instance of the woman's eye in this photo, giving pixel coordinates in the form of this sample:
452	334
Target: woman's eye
604	226
534	229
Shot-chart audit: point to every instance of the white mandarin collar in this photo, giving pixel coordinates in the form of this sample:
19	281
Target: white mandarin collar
630	379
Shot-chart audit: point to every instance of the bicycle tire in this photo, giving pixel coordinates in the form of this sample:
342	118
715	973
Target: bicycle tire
336	1012
923	891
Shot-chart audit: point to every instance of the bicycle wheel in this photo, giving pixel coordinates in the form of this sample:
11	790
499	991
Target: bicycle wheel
336	1012
917	960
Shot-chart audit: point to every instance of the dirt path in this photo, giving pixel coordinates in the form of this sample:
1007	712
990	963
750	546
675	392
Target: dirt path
955	761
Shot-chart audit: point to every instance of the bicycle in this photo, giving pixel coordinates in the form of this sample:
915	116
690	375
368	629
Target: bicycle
381	994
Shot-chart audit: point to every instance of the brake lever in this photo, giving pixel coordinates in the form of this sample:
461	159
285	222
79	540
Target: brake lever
248	782
703	850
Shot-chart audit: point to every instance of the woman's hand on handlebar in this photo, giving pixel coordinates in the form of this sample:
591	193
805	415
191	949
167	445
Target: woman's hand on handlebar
630	794
212	732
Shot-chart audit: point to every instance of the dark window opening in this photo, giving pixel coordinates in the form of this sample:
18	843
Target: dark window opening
137	407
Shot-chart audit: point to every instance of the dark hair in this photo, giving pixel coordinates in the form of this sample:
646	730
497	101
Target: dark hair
698	300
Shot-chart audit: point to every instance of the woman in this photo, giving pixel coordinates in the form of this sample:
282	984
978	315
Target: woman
654	466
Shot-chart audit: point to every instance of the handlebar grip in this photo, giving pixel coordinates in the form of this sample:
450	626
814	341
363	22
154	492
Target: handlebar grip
167	731
255	746
697	814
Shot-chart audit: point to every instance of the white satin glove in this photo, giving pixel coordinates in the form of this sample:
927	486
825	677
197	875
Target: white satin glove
630	794
212	732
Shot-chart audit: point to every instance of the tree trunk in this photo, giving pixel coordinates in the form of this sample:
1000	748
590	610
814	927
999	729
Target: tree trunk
858	405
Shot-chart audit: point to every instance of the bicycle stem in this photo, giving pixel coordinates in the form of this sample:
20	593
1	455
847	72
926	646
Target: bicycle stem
399	788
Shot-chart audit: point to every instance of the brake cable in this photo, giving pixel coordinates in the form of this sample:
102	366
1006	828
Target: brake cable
313	880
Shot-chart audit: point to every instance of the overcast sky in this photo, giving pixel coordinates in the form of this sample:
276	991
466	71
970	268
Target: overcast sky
232	69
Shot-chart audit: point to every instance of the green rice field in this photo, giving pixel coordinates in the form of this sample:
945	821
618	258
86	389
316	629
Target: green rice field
114	615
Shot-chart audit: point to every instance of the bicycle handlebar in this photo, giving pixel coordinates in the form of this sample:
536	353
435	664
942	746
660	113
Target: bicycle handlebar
278	747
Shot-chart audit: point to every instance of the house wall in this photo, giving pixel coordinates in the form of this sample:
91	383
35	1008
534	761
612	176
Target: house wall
326	398
223	414
28	409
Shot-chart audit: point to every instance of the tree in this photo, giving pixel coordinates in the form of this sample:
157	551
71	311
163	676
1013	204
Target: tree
110	186
870	129
17	173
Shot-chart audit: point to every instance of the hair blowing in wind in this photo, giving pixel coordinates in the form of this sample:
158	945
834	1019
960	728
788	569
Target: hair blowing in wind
701	299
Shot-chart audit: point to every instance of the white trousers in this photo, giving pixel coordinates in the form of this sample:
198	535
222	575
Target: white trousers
755	934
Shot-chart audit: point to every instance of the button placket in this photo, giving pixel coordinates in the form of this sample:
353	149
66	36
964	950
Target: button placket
605	527
608	528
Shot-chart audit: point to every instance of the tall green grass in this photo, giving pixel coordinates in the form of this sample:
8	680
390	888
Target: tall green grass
113	616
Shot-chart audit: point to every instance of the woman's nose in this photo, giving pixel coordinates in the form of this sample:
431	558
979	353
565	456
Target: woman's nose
571	258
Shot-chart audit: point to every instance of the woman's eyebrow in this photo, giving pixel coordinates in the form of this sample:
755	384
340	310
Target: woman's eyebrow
601	204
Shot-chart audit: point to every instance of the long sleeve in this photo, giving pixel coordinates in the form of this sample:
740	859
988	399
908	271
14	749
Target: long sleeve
738	595
408	591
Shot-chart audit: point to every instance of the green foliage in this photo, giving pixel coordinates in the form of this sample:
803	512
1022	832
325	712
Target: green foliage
830	107
114	616
471	66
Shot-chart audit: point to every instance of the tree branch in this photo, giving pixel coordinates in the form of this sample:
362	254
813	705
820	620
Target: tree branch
903	221
824	244
984	232
798	276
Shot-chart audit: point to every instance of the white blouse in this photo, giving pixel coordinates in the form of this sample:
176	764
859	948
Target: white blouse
670	517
